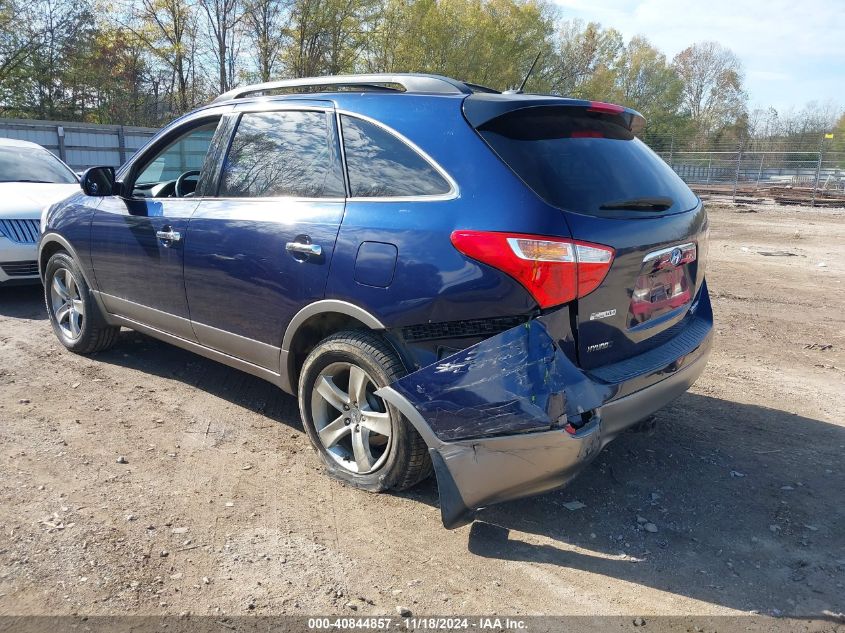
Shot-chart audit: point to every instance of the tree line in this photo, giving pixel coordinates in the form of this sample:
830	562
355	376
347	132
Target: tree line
143	62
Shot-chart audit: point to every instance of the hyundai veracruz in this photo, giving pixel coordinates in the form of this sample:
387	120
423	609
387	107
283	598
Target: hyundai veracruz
488	285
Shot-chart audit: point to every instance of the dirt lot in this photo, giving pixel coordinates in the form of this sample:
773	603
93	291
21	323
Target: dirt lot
222	506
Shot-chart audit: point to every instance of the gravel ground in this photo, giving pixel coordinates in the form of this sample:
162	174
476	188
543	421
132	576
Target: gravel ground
147	480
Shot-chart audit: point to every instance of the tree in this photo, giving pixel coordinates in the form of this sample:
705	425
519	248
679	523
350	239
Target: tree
19	35
327	36
146	61
712	93
266	28
169	30
491	42
113	78
41	82
647	83
586	56
222	20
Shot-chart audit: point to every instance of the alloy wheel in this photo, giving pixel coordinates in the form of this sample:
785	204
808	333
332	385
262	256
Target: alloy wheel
67	304
352	423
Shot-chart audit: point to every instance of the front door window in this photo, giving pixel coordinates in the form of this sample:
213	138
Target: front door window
174	172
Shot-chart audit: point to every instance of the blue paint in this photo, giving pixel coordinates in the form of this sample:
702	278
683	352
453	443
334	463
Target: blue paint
523	380
516	382
394	259
130	262
375	264
236	249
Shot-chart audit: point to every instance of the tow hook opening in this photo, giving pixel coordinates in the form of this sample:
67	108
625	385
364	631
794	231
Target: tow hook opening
582	423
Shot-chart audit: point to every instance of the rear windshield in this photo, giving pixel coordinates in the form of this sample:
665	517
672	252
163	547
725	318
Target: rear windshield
585	162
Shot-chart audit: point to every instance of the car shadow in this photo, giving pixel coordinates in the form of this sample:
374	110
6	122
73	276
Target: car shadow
746	501
151	356
23	302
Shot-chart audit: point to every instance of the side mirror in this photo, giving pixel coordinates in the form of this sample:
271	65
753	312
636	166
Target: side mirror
98	181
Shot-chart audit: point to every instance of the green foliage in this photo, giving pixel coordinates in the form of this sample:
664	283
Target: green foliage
145	61
712	93
490	42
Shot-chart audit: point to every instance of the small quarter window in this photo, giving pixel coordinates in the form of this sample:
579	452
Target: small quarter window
286	153
381	165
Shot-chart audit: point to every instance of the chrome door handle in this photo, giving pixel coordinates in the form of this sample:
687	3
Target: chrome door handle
169	236
305	249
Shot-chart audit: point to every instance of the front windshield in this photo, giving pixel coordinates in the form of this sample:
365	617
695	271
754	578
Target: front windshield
32	164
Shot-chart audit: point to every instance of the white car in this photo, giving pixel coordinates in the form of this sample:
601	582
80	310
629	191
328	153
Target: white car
31	178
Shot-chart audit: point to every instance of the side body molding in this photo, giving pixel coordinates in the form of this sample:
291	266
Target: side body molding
328	305
323	306
55	238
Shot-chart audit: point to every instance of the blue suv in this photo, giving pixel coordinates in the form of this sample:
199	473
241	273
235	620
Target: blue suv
488	285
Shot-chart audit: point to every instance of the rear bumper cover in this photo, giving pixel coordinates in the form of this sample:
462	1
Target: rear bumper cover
522	387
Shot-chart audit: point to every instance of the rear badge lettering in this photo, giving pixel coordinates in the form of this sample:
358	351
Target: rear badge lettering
602	315
599	346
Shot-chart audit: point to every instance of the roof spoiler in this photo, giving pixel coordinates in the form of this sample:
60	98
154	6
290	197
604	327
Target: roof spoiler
480	108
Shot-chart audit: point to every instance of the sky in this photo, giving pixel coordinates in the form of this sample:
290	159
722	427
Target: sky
792	52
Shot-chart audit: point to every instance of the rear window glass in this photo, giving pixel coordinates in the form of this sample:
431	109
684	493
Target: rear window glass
585	162
382	165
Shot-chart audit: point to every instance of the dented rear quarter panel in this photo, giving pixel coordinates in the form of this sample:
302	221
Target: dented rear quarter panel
519	381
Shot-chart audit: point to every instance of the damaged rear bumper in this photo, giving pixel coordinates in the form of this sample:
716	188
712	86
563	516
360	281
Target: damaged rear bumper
522	392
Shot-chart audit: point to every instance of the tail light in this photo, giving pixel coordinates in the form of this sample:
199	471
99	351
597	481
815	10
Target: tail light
553	270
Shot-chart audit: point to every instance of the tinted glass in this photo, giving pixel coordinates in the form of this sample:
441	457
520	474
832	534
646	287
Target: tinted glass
186	153
32	164
382	165
282	154
583	161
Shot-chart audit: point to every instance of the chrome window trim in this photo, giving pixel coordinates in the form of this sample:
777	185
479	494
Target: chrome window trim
238	112
176	128
269	199
453	192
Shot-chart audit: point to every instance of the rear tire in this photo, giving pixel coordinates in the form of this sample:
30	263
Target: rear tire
361	439
75	316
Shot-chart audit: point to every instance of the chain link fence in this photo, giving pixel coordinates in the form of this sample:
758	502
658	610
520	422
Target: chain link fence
786	171
793	171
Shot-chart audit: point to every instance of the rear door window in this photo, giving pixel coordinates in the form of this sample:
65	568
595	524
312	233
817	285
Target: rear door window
585	162
382	165
284	153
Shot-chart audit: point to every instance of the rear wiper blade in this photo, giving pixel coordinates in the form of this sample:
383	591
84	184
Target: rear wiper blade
27	180
639	204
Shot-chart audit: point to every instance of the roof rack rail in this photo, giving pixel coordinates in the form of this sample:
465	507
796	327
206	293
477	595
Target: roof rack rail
410	82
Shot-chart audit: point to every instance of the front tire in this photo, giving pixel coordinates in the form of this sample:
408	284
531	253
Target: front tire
75	316
361	439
